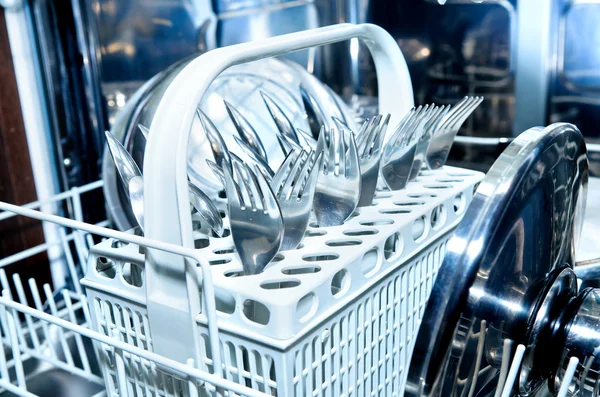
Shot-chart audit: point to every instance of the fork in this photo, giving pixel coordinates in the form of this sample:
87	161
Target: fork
255	157
254	217
444	135
338	186
436	116
283	123
369	142
132	180
217	143
247	133
399	151
294	186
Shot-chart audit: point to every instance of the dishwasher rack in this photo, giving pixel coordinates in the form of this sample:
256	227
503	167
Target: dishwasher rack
50	333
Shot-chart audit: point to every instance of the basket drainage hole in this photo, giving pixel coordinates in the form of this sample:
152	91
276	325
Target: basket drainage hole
219	261
226	233
222	194
307	307
315	233
320	257
437	186
395	211
290	271
105	267
340	283
224	251
201	243
222	214
196	225
409	203
459	203
282	284
378	222
256	312
419	228
422	195
370	262
393	246
119	244
459	174
278	258
438	217
450	180
224	302
343	243
361	232
133	275
234	273
383	194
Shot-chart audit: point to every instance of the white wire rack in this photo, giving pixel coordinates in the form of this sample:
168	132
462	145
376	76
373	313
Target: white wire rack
46	335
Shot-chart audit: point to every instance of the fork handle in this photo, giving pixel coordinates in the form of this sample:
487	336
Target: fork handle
165	163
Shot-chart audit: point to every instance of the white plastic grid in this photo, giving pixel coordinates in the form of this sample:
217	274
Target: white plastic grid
21	319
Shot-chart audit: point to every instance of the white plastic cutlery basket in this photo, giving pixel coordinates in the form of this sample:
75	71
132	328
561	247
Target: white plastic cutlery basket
336	315
171	313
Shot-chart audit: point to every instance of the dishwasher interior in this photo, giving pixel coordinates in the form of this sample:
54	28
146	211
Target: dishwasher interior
338	198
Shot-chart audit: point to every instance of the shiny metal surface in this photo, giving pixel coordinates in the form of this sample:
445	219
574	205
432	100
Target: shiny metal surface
284	125
247	133
254	217
339	182
521	227
444	135
400	149
135	187
294	187
429	128
241	87
369	145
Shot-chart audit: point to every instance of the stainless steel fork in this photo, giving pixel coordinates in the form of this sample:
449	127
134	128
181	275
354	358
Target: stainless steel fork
339	182
294	186
443	137
255	218
434	118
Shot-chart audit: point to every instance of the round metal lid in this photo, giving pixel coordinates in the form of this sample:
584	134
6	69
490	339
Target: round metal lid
522	225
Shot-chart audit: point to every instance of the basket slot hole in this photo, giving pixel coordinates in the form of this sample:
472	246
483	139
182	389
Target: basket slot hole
217	262
320	257
426	173
105	267
361	232
422	195
234	273
133	274
224	251
438	217
383	194
196	225
343	243
222	214
419	228
314	233
222	194
395	211
459	174
224	302
475	187
340	283
256	312
459	203
370	262
450	180
278	258
438	186
280	284
290	271
408	203
307	307
119	244
200	243
378	222
393	246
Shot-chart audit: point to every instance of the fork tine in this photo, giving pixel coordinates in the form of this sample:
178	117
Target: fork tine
310	172
359	136
352	164
292	177
259	160
379	136
364	148
331	147
270	205
456	111
234	197
218	171
244	190
343	149
408	128
246	131
217	143
468	111
283	171
257	196
283	123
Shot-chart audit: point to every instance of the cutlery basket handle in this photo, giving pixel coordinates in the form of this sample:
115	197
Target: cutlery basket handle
170	295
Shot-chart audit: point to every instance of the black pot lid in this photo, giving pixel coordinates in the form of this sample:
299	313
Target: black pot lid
520	230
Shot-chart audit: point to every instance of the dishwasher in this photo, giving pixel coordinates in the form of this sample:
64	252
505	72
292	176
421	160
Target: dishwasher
436	280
